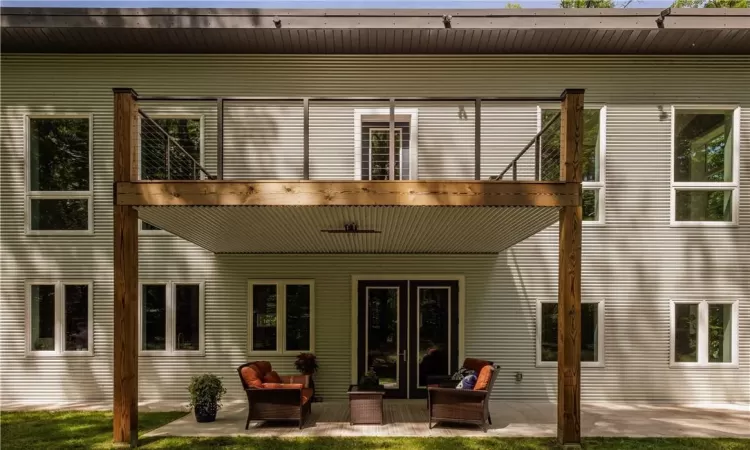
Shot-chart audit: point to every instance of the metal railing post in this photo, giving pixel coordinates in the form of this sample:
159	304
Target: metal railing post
392	140
169	161
538	159
306	139
220	138
477	139
515	171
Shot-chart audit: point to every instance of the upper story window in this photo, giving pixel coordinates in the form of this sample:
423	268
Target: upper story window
594	151
59	178
60	318
704	333
281	316
160	159
372	149
705	166
171	318
592	333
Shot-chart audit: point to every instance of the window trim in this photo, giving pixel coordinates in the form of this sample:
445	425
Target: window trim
703	335
280	317
413	137
201	160
59	318
600	336
30	195
171	319
599	186
733	186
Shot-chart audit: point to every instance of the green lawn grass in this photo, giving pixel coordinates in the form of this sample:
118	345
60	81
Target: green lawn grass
75	429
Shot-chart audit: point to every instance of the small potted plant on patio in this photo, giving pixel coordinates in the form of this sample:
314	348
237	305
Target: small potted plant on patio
307	364
369	380
205	396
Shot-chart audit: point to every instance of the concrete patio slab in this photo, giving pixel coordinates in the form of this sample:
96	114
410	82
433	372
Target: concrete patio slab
510	419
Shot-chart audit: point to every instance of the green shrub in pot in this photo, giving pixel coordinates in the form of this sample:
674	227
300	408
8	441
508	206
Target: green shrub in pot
205	396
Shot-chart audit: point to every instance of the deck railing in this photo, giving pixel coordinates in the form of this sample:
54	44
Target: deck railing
382	149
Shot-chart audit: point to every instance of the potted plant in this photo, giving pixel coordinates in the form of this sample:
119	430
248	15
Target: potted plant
205	396
307	364
369	380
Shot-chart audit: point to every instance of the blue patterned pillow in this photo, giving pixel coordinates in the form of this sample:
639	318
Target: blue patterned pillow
468	382
462	373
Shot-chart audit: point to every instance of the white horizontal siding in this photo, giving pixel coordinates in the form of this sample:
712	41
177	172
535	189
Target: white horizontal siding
636	263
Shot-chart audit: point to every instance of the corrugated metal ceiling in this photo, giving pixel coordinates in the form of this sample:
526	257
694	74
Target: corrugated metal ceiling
532	31
297	229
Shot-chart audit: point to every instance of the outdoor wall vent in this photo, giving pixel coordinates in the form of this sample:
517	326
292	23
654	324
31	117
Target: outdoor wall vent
351	228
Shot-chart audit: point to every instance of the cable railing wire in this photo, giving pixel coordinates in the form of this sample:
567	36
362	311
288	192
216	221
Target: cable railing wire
547	154
163	157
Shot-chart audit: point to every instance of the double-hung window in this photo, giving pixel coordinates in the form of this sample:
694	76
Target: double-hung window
594	155
161	157
171	318
592	333
281	316
705	165
59	174
704	333
60	318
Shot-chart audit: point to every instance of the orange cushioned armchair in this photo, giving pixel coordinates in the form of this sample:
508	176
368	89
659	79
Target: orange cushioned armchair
449	404
271	396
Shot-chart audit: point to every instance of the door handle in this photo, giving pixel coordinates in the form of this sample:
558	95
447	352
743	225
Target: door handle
402	353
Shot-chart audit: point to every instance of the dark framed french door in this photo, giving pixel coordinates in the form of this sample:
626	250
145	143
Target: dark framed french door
383	330
407	332
433	340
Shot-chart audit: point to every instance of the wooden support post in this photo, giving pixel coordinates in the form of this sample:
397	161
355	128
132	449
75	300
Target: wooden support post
125	409
569	275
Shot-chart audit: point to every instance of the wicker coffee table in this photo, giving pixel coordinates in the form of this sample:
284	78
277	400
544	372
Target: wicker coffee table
365	406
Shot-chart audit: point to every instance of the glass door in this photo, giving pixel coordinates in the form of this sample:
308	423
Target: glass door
383	334
434	333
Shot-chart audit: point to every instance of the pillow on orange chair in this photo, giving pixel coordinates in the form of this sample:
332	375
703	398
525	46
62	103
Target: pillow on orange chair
272	377
483	380
252	376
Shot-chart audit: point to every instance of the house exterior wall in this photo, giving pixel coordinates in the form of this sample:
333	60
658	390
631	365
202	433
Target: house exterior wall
635	262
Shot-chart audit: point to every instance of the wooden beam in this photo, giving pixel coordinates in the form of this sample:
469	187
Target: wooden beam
569	275
125	407
344	193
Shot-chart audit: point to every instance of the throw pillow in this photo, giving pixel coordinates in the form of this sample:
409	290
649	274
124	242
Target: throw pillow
272	377
468	382
461	373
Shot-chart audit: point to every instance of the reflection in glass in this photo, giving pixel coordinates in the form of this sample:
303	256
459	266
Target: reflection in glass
720	333
154	317
59	214
43	317
264	317
550	146
382	335
187	317
703	206
297	317
703	146
590	202
589	332
433	321
76	317
58	154
686	332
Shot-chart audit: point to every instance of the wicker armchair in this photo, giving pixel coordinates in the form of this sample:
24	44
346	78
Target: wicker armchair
461	405
289	400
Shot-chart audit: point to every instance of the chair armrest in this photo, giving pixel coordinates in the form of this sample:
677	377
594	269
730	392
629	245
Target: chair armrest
304	380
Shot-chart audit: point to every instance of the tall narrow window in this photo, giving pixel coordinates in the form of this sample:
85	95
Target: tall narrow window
704	333
705	184
281	317
60	318
594	144
59	190
592	333
172	318
162	158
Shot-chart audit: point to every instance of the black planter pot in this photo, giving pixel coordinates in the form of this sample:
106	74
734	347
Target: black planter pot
205	413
